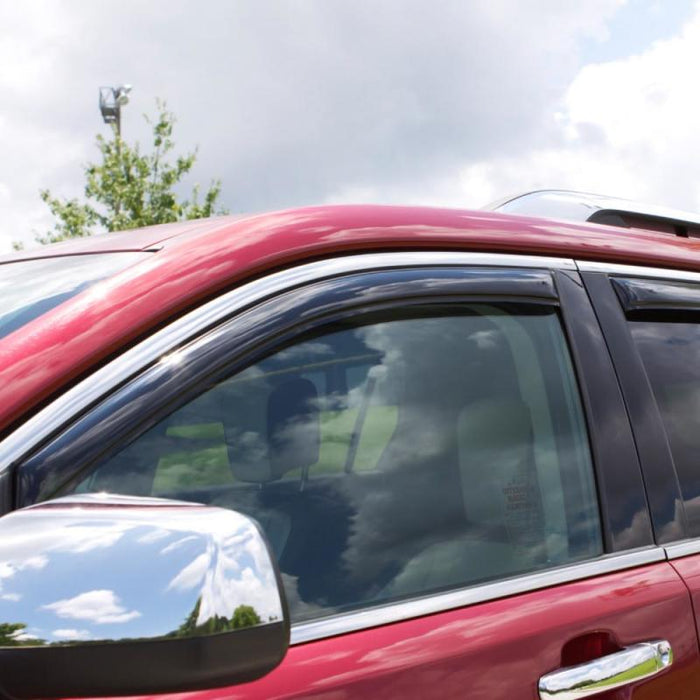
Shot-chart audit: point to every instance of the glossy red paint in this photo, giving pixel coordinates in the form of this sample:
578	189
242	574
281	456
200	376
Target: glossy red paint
492	650
200	259
150	238
689	570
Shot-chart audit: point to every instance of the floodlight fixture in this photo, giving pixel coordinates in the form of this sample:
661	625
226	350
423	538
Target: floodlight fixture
111	102
123	94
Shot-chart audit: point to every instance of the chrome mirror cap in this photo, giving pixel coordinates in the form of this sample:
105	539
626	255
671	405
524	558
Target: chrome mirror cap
114	595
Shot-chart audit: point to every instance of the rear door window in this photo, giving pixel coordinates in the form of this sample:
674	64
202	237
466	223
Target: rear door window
670	351
663	319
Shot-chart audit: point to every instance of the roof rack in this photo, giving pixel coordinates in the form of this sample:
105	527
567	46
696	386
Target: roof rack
600	209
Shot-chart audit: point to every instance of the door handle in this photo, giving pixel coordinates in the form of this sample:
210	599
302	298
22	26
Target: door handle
632	664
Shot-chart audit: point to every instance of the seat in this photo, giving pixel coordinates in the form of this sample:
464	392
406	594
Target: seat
499	483
501	532
264	446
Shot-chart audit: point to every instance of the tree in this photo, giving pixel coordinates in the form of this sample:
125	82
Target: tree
129	189
10	636
9	632
242	616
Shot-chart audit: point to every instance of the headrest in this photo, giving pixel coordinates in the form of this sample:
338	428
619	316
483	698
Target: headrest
292	440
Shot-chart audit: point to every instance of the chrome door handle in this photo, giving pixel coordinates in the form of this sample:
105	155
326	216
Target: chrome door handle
635	663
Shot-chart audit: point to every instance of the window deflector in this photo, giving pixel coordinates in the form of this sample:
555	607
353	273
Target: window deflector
639	295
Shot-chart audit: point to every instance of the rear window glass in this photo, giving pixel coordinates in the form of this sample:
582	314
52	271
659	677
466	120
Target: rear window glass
30	288
670	352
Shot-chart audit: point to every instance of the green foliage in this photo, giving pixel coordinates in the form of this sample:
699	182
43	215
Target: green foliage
129	189
242	616
188	627
9	633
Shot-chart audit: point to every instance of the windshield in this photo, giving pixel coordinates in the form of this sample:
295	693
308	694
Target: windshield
30	288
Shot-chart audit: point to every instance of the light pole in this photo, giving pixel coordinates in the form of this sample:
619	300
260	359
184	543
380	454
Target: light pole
111	102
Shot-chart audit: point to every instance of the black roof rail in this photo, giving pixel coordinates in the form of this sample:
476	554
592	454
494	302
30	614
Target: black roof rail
582	206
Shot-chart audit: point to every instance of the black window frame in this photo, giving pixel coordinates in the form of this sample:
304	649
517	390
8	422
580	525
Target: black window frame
256	332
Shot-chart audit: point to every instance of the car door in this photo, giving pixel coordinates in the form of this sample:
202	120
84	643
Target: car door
439	454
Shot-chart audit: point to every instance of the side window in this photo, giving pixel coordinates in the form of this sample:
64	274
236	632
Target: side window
670	351
392	458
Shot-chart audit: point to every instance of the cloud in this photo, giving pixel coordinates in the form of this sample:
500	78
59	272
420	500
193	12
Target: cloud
320	350
99	606
234	570
8	569
77	537
191	575
71	634
622	127
24	637
154	535
181	542
290	103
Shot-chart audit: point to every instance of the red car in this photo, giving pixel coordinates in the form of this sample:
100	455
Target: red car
355	452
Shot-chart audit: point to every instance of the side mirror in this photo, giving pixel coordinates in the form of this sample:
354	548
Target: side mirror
111	595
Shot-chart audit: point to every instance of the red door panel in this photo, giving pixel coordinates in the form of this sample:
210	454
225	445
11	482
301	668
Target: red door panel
497	649
689	569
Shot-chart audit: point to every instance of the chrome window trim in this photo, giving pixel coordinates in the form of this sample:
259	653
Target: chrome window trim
637	271
682	549
396	612
104	380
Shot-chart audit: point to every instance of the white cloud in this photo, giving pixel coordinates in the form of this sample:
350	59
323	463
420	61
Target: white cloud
181	542
625	128
71	634
234	570
191	575
99	606
385	101
155	535
8	568
364	96
24	637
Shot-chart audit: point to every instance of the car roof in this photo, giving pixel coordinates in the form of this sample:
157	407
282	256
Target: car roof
197	260
151	238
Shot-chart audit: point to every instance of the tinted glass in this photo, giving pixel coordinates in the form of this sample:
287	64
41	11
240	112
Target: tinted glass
390	460
30	288
671	355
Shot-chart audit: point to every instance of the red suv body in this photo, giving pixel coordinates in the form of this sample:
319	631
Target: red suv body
495	486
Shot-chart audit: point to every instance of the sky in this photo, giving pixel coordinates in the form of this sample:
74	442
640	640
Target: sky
293	102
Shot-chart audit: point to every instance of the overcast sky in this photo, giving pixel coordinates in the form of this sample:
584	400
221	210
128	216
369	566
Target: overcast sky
294	102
